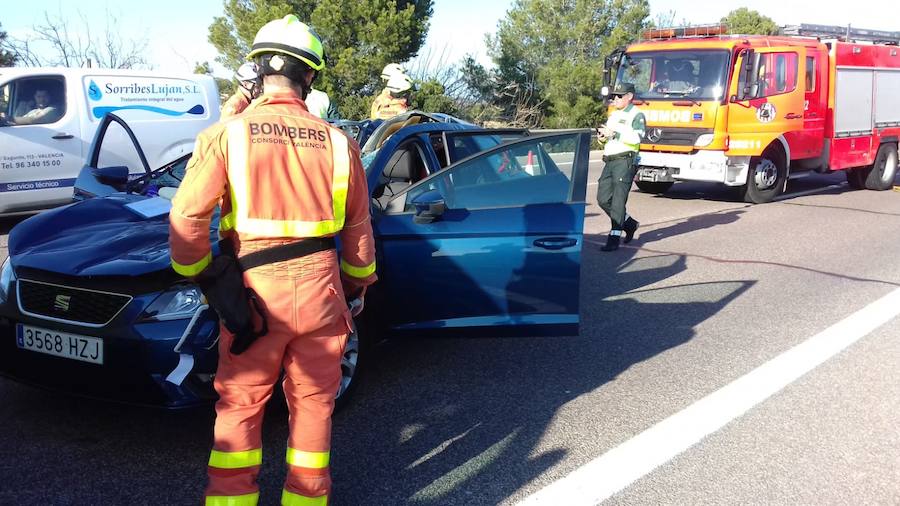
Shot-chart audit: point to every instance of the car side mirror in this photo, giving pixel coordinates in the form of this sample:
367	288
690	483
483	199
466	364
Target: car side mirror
112	176
429	207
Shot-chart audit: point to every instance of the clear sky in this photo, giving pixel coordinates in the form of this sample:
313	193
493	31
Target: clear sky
177	29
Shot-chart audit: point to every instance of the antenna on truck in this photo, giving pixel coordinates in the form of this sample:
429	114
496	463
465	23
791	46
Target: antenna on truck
846	33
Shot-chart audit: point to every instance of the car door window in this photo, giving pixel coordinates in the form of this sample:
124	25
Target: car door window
33	101
465	144
535	171
117	149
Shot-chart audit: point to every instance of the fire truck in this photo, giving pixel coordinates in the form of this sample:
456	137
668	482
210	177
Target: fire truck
752	111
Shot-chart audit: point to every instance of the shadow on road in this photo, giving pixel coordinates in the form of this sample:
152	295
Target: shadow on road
458	421
437	422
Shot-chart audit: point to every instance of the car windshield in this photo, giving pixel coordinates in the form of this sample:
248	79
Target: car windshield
368	158
168	176
698	75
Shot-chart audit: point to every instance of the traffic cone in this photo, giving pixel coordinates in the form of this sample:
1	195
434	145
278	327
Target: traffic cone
529	167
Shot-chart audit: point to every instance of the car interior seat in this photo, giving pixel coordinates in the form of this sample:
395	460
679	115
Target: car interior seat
404	168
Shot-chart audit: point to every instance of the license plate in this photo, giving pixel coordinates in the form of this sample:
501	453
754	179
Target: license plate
60	344
652	175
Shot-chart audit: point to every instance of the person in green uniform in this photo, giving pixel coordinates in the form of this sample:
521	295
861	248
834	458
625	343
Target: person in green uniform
623	133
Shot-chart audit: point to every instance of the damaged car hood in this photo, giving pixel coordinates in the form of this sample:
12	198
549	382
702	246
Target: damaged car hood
95	237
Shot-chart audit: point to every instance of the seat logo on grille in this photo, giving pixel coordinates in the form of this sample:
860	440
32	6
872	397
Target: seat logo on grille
61	302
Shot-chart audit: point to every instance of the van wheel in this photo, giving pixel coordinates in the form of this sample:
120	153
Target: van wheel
654	187
352	363
856	177
881	176
765	179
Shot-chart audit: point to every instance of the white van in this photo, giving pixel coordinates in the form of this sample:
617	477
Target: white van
48	117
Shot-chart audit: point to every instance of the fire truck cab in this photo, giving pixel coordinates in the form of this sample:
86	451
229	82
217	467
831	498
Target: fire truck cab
750	111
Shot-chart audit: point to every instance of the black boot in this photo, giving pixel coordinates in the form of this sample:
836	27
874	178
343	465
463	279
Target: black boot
612	243
630	227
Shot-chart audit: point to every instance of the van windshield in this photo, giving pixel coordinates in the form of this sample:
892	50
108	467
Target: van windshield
694	74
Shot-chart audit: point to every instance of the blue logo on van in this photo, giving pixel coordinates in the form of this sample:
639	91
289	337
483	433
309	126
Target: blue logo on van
94	91
99	112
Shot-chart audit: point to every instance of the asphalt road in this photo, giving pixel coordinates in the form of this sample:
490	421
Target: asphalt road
710	290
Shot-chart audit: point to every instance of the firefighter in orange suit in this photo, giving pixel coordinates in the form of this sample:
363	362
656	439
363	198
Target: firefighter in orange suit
249	88
394	99
280	174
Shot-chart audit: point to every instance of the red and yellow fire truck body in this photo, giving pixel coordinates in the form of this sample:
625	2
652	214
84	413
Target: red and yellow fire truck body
749	111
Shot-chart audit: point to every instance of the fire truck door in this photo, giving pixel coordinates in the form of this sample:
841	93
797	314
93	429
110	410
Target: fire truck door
767	99
811	139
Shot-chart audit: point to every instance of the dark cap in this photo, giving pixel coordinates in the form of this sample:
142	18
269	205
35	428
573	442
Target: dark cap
622	89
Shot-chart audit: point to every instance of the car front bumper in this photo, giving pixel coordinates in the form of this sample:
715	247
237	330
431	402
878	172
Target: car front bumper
137	359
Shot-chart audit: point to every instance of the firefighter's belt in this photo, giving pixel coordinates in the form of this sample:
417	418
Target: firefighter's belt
222	282
284	252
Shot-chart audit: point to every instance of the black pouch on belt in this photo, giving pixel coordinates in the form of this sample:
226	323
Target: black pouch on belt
222	282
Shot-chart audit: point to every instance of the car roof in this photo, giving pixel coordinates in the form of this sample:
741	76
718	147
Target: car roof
426	122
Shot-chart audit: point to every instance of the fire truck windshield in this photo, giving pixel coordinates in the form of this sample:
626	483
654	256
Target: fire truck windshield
693	74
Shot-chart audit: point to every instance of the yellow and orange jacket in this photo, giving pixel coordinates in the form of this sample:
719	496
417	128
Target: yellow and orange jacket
278	173
385	106
235	105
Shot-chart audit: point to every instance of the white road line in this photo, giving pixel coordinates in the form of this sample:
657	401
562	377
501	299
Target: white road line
615	470
592	160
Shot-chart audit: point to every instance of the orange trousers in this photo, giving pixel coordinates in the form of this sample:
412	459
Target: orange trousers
308	324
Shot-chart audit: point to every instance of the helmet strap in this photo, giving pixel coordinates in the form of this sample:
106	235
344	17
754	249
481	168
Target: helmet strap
289	67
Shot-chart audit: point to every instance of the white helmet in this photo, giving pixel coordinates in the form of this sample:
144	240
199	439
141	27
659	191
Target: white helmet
247	72
391	69
248	77
399	83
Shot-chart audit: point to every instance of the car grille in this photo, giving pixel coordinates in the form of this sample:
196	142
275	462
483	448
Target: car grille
674	136
68	304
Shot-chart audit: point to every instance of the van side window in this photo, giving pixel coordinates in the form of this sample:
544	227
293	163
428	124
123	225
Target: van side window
5	103
33	101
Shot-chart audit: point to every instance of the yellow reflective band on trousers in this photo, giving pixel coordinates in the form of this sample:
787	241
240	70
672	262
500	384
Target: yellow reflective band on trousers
292	499
235	460
357	272
192	269
233	500
309	460
240	180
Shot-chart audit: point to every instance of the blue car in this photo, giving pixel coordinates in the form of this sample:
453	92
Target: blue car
478	232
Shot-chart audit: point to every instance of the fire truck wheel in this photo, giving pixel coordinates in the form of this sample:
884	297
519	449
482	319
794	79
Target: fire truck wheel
884	170
856	177
766	178
657	188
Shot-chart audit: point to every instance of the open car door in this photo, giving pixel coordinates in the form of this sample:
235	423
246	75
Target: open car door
491	245
110	165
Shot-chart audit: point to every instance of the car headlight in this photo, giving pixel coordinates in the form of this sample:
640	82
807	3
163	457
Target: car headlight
176	304
704	140
7	278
